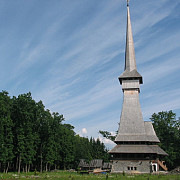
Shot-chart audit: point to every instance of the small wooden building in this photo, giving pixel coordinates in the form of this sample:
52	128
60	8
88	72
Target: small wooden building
94	164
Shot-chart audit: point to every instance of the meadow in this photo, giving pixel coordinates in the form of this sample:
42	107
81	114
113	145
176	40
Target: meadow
65	175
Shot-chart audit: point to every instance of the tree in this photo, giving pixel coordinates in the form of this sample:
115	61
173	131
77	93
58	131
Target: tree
6	134
25	136
108	135
41	129
167	129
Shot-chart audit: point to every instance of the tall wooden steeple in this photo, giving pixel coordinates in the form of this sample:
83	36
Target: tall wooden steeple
136	140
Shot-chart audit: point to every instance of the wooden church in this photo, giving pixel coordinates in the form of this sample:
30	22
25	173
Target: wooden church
137	147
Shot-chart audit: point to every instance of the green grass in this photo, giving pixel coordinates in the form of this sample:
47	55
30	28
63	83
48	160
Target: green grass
65	175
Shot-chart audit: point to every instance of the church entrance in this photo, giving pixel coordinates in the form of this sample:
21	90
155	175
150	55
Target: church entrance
154	167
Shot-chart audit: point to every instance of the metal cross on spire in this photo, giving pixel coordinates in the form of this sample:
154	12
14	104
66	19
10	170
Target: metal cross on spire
128	2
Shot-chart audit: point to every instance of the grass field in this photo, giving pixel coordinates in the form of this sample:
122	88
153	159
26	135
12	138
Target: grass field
76	176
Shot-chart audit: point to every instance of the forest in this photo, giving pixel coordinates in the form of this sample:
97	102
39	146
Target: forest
32	138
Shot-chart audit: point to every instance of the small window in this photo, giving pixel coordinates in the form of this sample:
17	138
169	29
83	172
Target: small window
131	168
135	168
128	168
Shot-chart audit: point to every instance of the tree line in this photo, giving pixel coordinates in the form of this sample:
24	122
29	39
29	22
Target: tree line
31	137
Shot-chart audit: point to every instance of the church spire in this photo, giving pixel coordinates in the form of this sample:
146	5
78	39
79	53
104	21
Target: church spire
130	70
130	61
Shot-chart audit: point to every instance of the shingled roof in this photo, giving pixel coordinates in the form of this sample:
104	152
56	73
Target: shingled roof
95	163
145	149
130	61
83	163
130	75
150	133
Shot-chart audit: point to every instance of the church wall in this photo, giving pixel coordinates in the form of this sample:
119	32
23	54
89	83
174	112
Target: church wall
119	166
130	84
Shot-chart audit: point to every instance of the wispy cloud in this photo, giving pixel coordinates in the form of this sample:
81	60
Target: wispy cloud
159	46
90	52
72	52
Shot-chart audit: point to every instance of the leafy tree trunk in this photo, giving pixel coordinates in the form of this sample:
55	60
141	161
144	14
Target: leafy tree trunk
4	169
17	160
7	167
26	168
46	167
19	165
41	163
29	166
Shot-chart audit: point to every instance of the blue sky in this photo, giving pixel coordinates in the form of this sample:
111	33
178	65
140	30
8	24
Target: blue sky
69	54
